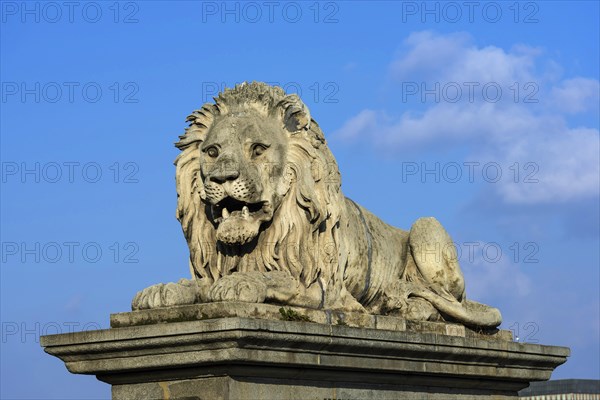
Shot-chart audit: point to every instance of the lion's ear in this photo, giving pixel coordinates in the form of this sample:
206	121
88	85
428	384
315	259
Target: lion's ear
296	116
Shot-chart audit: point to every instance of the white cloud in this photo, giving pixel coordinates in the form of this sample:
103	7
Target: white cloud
576	95
452	58
365	121
506	131
568	162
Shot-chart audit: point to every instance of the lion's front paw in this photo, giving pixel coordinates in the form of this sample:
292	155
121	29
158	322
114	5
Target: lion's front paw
165	295
239	287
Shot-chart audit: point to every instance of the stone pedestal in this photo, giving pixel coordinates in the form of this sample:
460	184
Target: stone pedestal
248	351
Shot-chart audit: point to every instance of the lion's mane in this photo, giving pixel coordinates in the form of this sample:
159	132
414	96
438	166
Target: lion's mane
302	236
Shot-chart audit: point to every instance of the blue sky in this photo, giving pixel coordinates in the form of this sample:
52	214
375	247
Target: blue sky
486	118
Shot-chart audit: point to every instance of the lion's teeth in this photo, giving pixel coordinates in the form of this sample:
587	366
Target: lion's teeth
245	212
225	213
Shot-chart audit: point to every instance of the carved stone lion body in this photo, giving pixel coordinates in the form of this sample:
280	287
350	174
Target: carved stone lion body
261	207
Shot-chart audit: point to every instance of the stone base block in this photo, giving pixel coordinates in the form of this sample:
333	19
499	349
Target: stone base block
239	387
246	351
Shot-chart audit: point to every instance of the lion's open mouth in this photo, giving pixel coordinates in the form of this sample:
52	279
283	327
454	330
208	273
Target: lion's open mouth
239	222
231	207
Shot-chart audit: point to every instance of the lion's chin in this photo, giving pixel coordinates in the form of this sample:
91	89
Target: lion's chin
238	230
241	226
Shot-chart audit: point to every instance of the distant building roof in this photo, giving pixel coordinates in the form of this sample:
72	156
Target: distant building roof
562	386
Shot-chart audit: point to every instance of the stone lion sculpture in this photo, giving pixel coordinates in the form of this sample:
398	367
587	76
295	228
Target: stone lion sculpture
261	207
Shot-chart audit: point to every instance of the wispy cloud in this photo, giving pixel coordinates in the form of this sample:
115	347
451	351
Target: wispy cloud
576	95
453	57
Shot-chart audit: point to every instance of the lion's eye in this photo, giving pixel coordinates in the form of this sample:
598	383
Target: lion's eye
212	152
258	149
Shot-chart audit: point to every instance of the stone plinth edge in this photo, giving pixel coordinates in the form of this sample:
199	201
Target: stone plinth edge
203	312
238	356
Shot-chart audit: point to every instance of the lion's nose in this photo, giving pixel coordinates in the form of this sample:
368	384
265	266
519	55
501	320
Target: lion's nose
224	174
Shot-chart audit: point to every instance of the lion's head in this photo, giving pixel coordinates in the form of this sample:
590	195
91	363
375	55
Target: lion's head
257	187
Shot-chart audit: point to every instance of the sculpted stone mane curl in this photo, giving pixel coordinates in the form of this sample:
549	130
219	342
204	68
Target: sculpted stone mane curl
261	208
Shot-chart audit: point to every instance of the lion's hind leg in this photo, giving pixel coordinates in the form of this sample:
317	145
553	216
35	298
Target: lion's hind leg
435	276
398	300
435	257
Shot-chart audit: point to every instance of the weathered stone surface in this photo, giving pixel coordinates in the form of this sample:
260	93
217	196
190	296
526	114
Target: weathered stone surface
261	206
243	358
